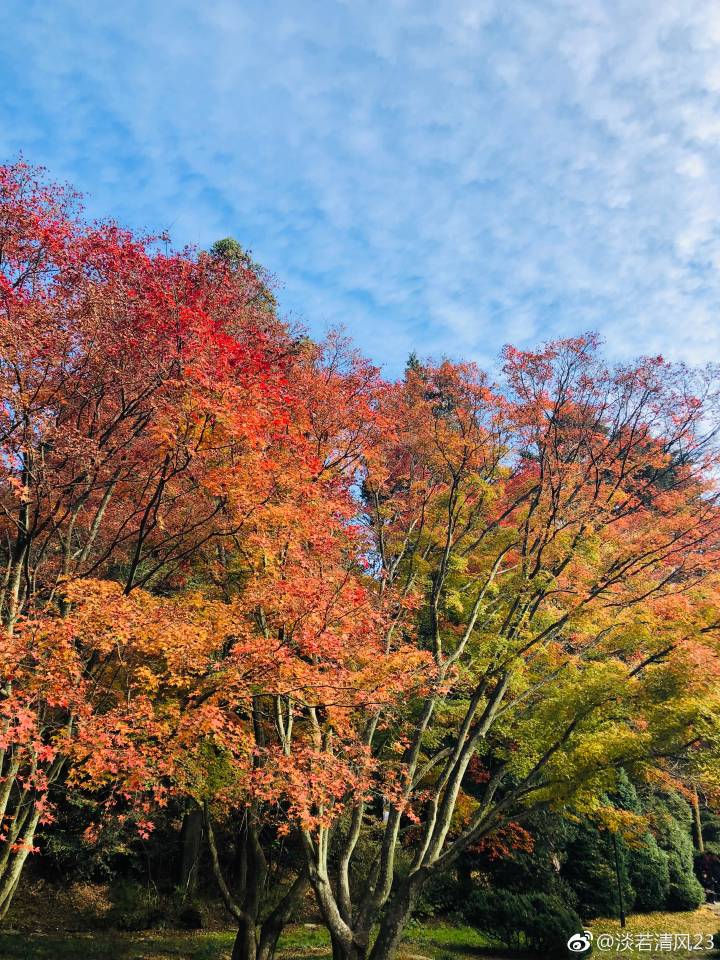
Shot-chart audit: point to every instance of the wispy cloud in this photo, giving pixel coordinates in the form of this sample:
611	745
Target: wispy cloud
444	176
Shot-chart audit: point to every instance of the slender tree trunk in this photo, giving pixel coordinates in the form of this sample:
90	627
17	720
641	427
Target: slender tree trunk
337	950
191	837
268	941
697	822
13	605
346	944
22	545
10	897
275	922
252	943
12	877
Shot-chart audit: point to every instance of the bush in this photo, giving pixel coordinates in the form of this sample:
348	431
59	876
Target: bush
134	908
650	875
193	915
439	897
590	870
540	922
673	819
686	892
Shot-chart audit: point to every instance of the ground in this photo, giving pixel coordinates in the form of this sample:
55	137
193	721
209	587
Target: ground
431	941
705	921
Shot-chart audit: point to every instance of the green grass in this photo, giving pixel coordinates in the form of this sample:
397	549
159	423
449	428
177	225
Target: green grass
150	946
442	939
433	941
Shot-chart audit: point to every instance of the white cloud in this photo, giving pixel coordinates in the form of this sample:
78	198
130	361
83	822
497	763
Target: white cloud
692	166
440	175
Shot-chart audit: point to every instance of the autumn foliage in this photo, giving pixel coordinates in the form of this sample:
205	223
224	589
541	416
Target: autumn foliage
242	569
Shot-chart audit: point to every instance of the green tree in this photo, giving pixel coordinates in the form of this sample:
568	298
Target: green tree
672	817
237	259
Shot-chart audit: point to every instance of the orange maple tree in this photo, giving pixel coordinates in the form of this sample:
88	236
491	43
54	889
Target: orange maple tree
552	543
132	381
186	587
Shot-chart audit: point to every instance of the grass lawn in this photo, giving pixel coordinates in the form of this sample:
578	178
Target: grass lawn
702	921
434	941
106	946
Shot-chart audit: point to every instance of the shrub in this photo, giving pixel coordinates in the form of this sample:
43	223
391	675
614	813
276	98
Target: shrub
440	897
540	922
673	819
649	874
193	915
686	892
589	868
134	907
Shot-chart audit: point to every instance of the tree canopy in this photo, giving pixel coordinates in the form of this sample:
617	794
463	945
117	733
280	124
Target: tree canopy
388	621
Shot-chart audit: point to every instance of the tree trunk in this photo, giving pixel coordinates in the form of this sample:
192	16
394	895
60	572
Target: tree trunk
9	898
345	945
268	942
275	922
251	946
348	951
12	877
191	838
464	878
395	919
245	946
697	822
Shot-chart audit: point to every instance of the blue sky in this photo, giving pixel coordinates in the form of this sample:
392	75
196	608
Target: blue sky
443	176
